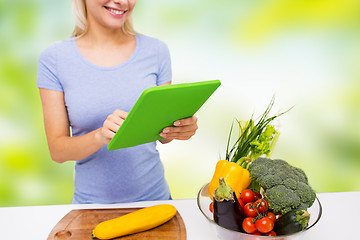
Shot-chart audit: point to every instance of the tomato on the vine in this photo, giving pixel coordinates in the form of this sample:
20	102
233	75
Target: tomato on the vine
250	210
249	225
264	225
257	196
271	233
271	216
247	195
261	205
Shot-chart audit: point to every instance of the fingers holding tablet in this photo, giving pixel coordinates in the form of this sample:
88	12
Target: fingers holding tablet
183	129
112	124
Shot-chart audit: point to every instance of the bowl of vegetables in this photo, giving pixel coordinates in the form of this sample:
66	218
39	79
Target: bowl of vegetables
205	204
252	196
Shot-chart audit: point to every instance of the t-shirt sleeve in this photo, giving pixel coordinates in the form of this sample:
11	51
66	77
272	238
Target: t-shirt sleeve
47	76
164	72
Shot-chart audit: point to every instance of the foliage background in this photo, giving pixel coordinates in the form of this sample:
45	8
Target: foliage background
304	52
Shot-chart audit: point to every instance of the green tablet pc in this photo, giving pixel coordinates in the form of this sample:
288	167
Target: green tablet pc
159	107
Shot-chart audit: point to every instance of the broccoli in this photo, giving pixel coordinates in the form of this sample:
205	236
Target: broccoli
286	187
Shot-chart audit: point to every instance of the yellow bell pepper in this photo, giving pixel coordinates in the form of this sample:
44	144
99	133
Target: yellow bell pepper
235	176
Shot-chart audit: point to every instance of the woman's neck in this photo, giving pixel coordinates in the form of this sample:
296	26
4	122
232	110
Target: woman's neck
106	48
100	36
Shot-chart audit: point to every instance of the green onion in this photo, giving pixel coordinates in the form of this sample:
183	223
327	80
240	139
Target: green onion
245	146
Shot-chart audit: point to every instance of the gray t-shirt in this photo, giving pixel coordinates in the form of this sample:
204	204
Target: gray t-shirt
93	92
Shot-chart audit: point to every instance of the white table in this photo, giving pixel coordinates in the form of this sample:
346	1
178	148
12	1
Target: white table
36	222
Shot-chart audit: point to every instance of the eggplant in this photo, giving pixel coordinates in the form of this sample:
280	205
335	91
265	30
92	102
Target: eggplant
291	222
227	210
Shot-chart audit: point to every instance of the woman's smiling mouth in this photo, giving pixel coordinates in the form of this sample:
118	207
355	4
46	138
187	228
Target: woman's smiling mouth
115	12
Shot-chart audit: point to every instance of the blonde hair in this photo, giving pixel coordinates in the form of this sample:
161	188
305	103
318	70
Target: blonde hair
81	26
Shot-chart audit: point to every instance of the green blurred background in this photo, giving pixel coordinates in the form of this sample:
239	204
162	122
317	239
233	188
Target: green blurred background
306	52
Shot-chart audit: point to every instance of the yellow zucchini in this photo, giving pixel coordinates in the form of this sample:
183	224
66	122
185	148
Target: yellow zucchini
138	221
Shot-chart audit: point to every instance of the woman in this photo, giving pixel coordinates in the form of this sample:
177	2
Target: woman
89	83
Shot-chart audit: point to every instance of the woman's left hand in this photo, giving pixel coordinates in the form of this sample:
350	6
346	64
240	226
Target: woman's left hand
183	129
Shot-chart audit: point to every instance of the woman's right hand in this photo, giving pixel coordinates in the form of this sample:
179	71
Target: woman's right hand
111	125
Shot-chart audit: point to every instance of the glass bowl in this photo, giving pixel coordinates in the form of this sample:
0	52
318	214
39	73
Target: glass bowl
203	201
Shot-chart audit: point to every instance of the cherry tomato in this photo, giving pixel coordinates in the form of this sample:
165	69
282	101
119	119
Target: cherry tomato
271	216
261	205
264	225
250	210
271	233
211	207
249	225
247	196
256	233
257	196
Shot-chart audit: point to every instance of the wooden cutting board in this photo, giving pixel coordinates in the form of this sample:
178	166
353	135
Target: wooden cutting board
78	224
